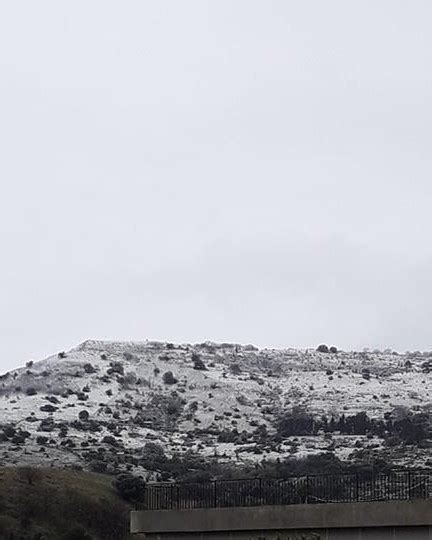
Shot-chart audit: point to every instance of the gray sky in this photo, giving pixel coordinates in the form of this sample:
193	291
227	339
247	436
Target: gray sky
251	171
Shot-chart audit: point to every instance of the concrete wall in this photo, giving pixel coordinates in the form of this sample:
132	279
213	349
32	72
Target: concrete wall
383	533
378	520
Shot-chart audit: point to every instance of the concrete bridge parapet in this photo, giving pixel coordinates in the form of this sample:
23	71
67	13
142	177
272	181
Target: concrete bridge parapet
395	520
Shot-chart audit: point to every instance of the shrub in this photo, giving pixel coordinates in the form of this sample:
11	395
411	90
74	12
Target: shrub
98	466
153	457
130	488
193	407
29	364
31	391
235	369
322	348
40	439
48	408
88	368
333	349
84	416
129	379
174	406
109	439
366	374
168	378
198	363
47	424
62	354
295	422
9	431
412	430
115	367
228	436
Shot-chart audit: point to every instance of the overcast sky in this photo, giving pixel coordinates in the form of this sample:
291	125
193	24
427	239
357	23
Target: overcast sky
249	171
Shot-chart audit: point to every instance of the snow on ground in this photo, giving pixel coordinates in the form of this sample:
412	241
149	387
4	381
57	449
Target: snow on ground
123	388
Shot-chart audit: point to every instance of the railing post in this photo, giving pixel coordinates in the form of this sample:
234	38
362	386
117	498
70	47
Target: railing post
214	494
357	488
409	485
307	489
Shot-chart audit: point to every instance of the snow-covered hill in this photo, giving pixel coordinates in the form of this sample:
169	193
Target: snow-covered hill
106	405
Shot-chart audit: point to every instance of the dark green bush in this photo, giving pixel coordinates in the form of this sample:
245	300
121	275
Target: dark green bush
130	488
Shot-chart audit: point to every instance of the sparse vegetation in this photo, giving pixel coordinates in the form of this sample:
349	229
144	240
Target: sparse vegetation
257	403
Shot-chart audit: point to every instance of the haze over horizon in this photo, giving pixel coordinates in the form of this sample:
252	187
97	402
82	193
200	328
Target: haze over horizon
253	172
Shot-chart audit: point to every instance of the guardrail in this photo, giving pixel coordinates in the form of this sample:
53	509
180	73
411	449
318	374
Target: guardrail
313	489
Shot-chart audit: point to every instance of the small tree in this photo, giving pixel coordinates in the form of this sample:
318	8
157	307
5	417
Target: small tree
323	348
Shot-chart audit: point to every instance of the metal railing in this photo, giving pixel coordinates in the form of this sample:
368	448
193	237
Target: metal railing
340	488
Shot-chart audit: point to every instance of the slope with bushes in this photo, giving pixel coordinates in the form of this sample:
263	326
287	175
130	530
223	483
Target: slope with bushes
53	504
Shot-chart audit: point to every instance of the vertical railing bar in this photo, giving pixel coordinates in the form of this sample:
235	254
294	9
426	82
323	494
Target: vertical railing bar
409	485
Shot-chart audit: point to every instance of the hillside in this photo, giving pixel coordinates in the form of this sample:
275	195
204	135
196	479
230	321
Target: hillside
111	407
50	503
